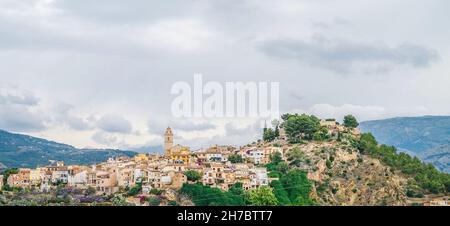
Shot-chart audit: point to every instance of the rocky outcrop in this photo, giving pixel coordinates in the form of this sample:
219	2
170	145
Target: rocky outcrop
350	178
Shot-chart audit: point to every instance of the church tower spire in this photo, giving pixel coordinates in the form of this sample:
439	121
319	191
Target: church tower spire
168	141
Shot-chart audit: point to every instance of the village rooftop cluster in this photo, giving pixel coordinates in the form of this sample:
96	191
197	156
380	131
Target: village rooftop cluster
167	171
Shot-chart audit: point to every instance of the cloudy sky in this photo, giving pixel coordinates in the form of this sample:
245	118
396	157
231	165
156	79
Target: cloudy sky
99	75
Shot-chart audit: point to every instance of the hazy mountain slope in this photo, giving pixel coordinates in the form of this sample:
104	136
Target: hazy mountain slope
18	150
427	137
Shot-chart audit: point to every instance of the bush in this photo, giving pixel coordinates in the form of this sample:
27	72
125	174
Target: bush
328	163
154	201
155	191
203	195
193	175
235	158
135	190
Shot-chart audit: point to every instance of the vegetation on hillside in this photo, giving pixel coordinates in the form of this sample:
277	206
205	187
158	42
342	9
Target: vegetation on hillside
426	137
425	177
350	121
235	158
293	186
193	175
23	151
301	128
203	195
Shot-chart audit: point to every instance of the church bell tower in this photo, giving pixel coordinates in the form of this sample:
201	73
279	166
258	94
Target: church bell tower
168	141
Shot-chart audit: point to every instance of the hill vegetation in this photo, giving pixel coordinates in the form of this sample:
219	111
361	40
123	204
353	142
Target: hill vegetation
426	137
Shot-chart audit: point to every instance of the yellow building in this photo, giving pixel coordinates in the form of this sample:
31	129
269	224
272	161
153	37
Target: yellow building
180	154
177	154
141	158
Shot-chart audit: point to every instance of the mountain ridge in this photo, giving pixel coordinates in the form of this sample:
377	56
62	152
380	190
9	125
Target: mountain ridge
19	150
427	137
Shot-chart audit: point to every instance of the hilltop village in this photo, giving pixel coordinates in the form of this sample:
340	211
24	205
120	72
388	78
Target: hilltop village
156	170
324	160
165	171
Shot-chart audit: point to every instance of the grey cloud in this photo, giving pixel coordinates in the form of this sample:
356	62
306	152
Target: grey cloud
64	115
232	130
87	54
158	127
233	136
103	138
77	123
115	11
18	118
349	57
16	113
191	126
25	99
114	124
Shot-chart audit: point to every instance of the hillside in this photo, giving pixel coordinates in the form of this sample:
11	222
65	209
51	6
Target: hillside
18	150
352	168
426	137
344	176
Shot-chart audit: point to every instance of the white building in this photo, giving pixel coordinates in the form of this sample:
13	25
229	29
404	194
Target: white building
60	176
256	156
214	157
258	177
78	180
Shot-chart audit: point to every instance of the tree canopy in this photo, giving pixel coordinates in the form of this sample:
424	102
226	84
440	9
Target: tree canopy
262	196
193	175
235	158
300	127
350	121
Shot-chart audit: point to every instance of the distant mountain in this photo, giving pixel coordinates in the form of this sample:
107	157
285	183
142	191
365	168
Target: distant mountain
17	150
426	137
149	149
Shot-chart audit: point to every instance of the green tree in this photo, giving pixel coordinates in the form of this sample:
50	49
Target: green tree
120	201
6	174
235	158
193	175
350	121
262	196
269	134
276	157
300	127
135	190
280	193
321	134
282	167
367	143
203	195
276	126
295	156
155	191
298	187
154	201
